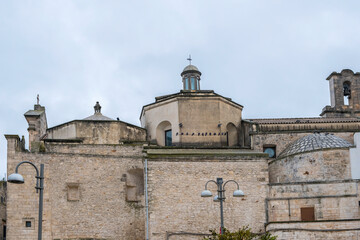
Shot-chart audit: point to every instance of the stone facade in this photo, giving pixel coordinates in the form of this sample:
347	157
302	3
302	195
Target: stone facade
3	187
107	179
176	178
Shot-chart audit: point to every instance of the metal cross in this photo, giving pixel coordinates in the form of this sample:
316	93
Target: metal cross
189	59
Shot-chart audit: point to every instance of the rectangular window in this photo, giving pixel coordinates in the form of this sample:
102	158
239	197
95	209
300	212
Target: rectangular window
186	84
28	224
307	214
193	84
168	138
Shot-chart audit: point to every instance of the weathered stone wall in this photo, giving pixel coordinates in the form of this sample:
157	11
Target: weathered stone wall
84	194
98	132
154	115
338	107
2	208
329	164
331	200
175	185
198	118
281	140
329	230
201	119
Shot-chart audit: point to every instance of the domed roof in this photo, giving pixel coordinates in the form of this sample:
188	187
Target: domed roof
97	115
190	68
316	141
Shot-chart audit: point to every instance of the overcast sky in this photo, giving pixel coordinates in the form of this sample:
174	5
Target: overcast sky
270	56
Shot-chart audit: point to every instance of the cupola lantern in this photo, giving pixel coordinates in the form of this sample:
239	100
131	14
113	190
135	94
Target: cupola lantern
191	77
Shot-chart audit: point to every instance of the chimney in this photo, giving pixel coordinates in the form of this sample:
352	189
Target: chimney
37	124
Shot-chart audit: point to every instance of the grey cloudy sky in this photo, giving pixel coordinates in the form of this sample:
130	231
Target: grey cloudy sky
271	56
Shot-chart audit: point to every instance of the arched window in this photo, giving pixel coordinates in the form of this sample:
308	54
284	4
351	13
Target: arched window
232	136
347	92
164	134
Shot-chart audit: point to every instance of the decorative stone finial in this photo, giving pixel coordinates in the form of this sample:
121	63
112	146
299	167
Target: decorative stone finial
97	108
38	99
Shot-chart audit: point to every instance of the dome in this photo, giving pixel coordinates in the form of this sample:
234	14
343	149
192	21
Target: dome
312	142
97	115
190	68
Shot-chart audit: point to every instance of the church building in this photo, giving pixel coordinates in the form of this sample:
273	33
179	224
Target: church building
105	179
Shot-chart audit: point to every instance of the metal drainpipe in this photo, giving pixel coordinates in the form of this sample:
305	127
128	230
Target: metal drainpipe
146	201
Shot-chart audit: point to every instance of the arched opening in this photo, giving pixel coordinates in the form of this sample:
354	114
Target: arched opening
347	92
164	134
232	135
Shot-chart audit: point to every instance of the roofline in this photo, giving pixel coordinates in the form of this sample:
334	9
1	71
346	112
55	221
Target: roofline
57	126
174	95
339	74
310	119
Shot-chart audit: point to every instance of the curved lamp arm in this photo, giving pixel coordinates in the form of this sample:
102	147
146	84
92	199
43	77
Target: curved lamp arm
208	182
37	173
231	181
37	170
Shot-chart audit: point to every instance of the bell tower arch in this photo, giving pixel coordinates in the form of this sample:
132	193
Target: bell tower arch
344	95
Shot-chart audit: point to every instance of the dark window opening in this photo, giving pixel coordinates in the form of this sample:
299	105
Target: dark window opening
347	92
307	214
168	138
28	224
271	150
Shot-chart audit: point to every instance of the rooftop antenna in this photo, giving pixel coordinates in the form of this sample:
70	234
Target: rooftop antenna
189	59
37	99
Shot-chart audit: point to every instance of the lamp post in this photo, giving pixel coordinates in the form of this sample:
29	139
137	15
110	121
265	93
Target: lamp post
19	179
221	195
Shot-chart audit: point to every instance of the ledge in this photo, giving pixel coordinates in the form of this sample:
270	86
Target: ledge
185	152
317	221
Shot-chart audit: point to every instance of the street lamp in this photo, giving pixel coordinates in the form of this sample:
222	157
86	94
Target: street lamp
19	179
221	195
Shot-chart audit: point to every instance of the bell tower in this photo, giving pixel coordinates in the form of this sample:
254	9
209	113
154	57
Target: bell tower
344	95
191	77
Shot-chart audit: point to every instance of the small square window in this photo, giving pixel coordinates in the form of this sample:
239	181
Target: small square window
271	150
28	224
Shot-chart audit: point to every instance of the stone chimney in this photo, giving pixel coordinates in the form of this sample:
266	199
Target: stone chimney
37	125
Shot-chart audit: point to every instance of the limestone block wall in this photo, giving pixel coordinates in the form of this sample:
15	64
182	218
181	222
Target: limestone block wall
2	208
175	185
318	165
330	230
201	119
281	140
84	195
332	200
98	132
154	115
